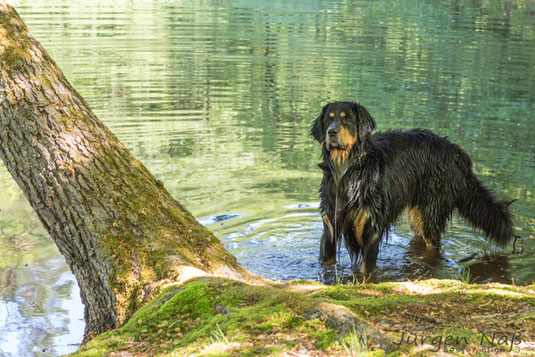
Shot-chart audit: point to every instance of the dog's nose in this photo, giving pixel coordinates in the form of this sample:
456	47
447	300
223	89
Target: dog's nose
332	131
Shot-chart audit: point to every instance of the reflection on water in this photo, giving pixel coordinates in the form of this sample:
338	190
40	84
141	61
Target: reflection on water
217	98
40	309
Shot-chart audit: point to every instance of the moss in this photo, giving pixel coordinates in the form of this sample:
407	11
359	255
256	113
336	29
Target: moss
304	281
325	337
337	294
13	41
232	316
529	300
14	55
210	316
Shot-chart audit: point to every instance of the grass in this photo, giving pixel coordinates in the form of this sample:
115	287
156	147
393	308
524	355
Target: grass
466	276
218	336
355	343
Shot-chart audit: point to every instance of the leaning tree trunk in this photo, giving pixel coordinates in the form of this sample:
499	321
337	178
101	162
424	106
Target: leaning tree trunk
120	231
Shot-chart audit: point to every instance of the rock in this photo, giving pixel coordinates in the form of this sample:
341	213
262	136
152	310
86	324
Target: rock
222	310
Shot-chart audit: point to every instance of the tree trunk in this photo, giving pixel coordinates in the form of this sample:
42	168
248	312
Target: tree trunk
120	231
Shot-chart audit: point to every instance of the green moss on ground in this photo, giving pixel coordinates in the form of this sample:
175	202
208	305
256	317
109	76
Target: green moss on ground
214	316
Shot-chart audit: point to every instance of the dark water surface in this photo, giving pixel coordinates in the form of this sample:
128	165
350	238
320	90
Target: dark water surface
217	100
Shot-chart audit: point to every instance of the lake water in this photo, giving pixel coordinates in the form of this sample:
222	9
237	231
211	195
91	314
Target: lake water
217	98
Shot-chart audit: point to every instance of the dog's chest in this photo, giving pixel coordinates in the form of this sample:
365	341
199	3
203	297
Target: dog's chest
343	193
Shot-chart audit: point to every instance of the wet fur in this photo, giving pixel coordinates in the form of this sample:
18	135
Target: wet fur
367	185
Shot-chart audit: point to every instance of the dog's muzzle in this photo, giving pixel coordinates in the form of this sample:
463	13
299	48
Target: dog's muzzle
332	137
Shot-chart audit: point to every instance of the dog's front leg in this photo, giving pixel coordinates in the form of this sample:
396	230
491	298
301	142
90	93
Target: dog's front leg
328	242
369	254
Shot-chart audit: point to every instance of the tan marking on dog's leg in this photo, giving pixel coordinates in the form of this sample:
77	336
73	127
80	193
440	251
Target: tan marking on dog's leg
359	224
415	220
328	223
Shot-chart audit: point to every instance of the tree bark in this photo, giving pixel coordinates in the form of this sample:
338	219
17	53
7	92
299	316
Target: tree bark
120	231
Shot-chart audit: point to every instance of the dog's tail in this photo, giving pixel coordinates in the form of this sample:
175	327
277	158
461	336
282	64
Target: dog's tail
479	206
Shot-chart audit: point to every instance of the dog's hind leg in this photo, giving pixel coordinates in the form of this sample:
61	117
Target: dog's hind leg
415	221
428	223
427	230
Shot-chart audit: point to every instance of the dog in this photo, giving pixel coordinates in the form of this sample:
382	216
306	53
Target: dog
370	179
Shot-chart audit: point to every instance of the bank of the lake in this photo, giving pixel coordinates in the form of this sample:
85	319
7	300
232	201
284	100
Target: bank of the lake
210	316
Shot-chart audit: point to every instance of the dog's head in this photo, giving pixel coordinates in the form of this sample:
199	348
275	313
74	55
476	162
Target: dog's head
341	125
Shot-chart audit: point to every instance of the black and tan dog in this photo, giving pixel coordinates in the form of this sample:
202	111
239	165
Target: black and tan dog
369	180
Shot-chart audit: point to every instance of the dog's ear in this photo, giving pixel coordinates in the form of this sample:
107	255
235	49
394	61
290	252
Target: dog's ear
317	128
366	124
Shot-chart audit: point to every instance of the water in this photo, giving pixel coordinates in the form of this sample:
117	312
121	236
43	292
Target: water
217	98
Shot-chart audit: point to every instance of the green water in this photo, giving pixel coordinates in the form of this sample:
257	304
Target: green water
217	97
